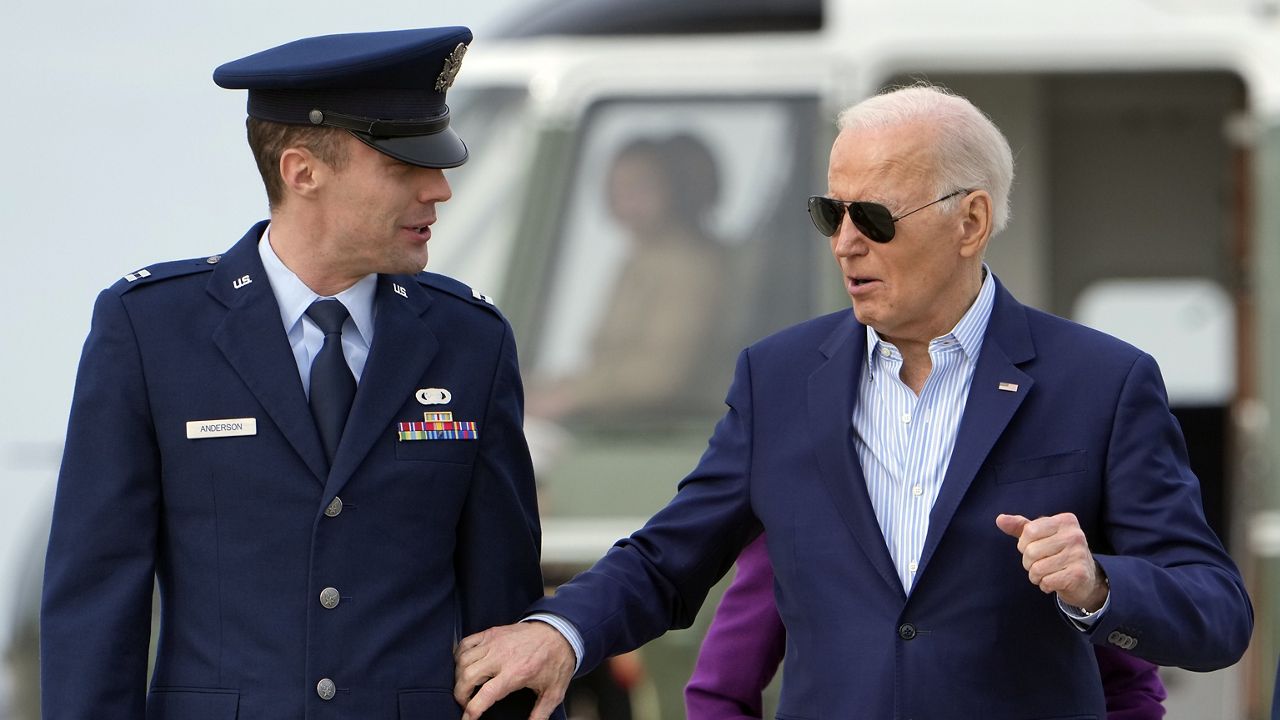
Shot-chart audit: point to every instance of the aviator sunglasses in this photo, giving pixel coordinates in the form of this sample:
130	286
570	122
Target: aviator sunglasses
872	219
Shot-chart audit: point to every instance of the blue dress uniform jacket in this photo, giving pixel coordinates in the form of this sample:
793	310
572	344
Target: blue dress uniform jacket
1086	430
424	541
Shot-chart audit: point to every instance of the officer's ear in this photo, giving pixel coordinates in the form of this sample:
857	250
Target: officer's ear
301	171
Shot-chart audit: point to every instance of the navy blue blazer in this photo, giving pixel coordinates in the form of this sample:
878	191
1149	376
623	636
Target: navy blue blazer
1087	430
425	541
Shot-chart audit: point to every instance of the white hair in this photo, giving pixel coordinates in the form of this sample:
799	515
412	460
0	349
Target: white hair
970	152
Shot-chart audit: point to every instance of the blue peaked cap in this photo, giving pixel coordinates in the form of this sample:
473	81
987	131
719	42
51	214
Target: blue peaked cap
386	88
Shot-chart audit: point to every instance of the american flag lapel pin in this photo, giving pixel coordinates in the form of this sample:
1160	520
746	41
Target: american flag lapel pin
1008	387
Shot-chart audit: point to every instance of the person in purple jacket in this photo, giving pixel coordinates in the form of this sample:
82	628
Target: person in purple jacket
747	640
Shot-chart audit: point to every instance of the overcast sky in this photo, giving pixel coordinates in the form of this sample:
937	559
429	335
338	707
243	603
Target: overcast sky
120	152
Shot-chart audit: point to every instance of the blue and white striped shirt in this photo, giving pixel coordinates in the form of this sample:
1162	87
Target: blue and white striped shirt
904	442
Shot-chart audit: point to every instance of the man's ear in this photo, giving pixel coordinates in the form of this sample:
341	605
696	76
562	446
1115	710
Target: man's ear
975	223
301	171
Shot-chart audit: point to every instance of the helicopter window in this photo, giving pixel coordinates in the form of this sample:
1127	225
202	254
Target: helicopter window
682	216
474	240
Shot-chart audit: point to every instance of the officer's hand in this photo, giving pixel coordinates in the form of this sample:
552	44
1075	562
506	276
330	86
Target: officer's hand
504	659
1056	557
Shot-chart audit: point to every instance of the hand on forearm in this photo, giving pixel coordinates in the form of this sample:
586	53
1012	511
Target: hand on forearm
504	659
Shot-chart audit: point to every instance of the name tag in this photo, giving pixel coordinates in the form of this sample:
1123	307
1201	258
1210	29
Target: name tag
231	427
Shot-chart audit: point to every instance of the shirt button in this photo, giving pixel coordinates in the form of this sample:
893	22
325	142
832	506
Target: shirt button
326	689
329	598
335	507
917	491
906	417
912	566
884	352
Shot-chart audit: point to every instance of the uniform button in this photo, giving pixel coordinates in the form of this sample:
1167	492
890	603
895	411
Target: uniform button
213	259
325	689
335	507
906	631
329	598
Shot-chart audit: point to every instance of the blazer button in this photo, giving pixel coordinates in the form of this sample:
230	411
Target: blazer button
329	598
325	689
907	631
335	507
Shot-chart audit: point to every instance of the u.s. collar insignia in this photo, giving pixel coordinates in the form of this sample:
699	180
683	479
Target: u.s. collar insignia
452	65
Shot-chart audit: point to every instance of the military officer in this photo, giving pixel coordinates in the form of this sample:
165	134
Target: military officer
312	446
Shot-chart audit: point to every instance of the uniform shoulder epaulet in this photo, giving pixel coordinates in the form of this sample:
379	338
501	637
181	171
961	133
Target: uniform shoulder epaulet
164	271
444	283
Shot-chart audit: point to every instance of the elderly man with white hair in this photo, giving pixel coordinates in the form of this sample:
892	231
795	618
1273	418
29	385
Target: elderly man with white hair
960	494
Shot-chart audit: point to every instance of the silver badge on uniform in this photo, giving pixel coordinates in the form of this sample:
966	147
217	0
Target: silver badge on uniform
434	396
452	65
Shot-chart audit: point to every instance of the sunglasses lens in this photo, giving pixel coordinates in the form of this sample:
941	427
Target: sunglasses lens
873	219
826	214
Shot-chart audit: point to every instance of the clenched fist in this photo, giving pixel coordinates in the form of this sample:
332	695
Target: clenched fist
1056	556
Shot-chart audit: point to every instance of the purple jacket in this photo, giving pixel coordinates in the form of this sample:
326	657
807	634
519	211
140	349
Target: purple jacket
747	639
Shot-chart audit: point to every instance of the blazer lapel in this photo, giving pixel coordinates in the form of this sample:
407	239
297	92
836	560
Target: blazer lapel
998	390
832	394
253	340
403	347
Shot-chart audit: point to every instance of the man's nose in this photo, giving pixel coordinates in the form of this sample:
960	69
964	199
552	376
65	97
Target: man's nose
849	240
434	187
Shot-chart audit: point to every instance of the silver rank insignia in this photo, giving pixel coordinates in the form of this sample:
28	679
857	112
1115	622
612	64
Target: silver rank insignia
452	65
137	275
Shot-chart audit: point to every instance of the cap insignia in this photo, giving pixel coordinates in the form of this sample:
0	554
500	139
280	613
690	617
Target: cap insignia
452	64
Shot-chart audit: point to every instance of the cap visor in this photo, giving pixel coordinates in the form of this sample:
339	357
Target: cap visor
439	150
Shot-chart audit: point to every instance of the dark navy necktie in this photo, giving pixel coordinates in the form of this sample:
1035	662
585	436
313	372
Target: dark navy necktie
333	387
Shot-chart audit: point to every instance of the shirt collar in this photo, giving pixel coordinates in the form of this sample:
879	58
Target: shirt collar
969	332
294	297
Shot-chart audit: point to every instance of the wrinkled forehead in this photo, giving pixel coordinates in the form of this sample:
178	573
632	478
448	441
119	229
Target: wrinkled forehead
876	163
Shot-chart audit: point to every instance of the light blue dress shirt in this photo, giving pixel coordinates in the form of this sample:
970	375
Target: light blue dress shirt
305	338
904	441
